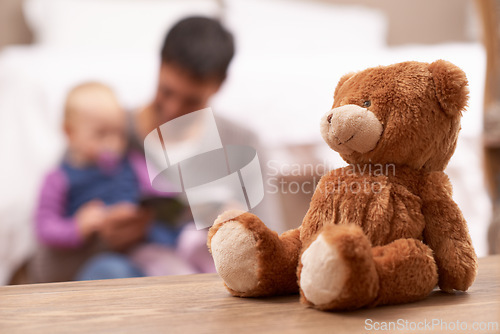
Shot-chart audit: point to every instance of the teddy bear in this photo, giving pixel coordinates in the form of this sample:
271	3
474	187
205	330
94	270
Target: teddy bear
383	230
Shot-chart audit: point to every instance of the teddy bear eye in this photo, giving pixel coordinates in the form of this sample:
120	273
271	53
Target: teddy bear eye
367	103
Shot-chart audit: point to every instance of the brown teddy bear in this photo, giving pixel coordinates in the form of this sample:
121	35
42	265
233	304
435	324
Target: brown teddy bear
385	229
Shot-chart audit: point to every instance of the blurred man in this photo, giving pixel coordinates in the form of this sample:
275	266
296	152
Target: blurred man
195	57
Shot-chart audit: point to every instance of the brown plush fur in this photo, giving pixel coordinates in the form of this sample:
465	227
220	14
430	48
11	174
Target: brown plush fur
390	213
356	250
278	257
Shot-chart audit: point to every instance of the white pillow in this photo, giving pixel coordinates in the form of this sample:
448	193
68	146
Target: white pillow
123	24
302	27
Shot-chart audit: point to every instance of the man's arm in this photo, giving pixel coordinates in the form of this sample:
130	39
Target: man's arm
447	235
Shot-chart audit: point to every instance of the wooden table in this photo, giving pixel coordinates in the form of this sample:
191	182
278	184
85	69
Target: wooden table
200	304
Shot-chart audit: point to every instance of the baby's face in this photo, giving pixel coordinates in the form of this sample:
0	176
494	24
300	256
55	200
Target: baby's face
95	132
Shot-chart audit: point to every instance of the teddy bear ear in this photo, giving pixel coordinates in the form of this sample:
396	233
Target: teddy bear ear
342	80
451	86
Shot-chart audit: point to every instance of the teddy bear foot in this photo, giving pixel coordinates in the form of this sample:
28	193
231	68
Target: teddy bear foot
234	250
324	272
337	271
251	259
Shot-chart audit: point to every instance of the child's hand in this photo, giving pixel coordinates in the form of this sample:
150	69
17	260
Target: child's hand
90	217
126	225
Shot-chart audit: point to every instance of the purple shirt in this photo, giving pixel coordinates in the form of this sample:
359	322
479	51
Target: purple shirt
53	225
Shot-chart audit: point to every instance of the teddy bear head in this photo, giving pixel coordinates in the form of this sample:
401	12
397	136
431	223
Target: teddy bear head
404	114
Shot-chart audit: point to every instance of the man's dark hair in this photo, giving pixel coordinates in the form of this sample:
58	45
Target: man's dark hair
201	46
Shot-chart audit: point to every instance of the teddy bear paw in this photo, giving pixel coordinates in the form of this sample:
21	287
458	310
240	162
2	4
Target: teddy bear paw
324	272
234	250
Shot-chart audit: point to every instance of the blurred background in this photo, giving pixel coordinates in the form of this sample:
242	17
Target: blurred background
290	55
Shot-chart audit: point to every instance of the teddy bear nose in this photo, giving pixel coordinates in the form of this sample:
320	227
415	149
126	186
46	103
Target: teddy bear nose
353	126
344	125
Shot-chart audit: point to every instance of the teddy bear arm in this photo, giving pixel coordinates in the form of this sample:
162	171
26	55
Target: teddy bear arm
447	235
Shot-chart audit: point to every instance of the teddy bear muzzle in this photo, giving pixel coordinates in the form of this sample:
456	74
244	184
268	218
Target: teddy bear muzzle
351	128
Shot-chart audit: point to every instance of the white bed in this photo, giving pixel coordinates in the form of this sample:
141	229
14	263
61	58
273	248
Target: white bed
280	83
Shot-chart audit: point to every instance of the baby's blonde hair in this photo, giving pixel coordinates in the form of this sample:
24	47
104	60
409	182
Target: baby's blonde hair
89	94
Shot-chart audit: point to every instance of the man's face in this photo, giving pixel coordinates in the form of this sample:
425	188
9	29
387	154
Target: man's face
179	93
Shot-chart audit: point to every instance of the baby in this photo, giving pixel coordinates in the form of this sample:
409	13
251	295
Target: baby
95	171
97	180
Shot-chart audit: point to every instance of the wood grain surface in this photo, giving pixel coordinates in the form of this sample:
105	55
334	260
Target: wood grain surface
200	304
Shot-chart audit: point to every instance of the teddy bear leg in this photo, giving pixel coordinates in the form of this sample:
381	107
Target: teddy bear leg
406	270
251	259
337	271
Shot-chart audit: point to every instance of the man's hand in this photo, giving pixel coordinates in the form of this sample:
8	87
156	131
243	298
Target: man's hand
125	226
90	217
